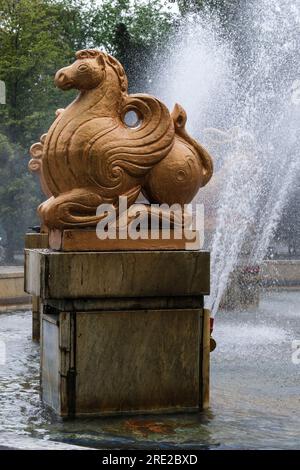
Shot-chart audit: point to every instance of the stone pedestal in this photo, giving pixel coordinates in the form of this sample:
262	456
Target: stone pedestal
122	332
36	240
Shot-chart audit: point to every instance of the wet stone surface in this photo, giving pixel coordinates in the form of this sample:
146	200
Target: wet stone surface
254	389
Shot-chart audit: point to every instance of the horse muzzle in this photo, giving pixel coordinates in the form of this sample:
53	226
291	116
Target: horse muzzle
62	80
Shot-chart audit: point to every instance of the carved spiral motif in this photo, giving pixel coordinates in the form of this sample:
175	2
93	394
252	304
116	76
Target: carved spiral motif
36	151
127	154
92	155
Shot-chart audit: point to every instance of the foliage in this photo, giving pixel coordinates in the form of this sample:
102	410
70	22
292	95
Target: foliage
17	197
37	37
136	33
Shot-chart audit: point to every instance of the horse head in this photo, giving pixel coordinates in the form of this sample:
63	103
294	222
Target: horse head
90	70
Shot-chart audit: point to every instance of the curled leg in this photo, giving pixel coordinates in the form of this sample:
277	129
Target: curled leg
77	208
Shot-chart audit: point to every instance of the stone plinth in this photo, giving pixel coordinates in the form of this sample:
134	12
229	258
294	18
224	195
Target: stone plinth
281	274
87	240
122	332
12	295
36	240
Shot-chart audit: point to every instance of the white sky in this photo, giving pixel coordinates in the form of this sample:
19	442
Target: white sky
173	4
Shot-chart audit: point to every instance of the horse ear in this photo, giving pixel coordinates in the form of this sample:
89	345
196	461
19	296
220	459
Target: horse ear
101	59
81	54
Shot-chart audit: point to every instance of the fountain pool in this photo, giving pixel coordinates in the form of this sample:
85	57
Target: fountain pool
254	398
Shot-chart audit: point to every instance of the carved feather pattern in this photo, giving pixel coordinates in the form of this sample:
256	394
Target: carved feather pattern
91	156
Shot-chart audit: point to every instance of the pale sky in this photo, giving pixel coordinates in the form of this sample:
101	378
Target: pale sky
173	4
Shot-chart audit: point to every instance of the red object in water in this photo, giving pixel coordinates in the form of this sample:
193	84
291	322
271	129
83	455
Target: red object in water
211	325
251	269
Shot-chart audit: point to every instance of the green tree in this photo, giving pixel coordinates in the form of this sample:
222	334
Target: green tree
136	33
34	43
37	37
17	196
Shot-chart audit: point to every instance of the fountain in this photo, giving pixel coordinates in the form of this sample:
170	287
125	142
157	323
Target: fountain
241	88
121	288
241	93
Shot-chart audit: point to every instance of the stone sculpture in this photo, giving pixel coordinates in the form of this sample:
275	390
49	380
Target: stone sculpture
92	154
129	321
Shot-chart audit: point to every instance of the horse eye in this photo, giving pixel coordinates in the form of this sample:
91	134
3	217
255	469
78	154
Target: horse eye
82	67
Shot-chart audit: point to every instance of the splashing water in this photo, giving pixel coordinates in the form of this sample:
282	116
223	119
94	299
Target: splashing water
241	92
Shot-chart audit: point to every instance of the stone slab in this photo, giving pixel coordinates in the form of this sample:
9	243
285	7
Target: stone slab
280	273
36	313
36	240
87	240
125	362
60	275
7	272
12	287
123	303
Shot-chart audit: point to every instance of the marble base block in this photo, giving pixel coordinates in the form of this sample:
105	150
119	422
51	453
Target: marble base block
122	332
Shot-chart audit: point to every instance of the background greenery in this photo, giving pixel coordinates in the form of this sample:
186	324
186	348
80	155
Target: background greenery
37	37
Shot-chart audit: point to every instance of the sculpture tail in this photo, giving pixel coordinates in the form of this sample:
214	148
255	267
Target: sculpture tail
179	117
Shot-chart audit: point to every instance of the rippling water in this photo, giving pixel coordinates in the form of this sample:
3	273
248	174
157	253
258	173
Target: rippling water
255	401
